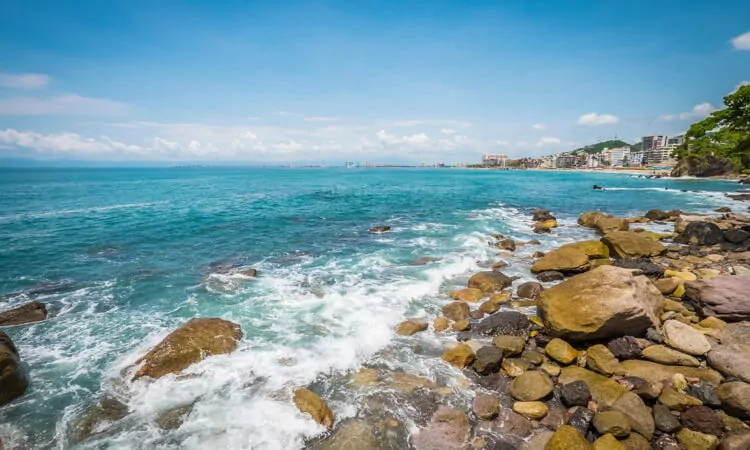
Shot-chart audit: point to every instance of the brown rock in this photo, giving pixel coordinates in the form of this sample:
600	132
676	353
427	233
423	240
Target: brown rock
456	311
564	260
593	249
724	297
489	282
13	378
486	407
440	324
568	438
459	356
448	429
628	245
467	295
309	402
28	313
658	373
410	327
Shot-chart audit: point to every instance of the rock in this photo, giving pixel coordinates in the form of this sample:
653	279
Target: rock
593	249
192	342
456	311
701	233
533	356
540	215
731	357
580	419
664	420
684	275
550	276
628	245
13	378
173	418
561	351
515	366
732	424
448	429
507	244
410	327
608	442
380	229
537	442
685	338
28	313
568	438
539	229
667	285
488	360
736	235
705	393
613	422
489	307
461	325
486	407
424	261
702	419
677	401
635	442
665	355
645	389
564	260
600	359
611	224
470	295
532	410
626	347
97	419
638	414
309	402
643	266
459	356
736	441
589	219
604	390
531	386
440	324
693	440
504	322
657	214
510	345
250	273
603	303
351	434
735	398
529	290
489	281
576	393
724	297
658	373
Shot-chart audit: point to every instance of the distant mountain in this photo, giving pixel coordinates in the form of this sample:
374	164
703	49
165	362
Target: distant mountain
598	148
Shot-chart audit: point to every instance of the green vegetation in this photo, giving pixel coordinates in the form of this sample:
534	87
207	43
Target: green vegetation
598	148
721	141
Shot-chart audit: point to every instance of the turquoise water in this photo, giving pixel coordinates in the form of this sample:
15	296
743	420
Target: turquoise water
123	256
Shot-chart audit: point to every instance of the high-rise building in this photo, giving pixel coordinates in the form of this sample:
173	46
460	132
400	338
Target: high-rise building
652	142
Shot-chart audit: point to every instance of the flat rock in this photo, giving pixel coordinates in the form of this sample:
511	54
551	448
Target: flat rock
685	338
658	373
731	357
604	390
735	398
564	260
724	297
664	355
593	249
448	429
638	414
628	245
28	313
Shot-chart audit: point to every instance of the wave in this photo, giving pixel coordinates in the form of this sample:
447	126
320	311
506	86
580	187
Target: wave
64	212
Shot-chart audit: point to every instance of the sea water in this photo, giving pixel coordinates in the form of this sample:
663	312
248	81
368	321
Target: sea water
121	257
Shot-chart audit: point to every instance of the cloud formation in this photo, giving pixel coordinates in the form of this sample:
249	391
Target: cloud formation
539	127
741	42
68	104
594	119
698	112
24	80
67	143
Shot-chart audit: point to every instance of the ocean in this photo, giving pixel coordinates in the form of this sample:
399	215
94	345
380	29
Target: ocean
124	256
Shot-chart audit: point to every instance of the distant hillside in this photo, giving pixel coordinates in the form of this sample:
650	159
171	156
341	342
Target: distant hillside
598	148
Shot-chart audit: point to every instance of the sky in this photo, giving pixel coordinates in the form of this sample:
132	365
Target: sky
382	81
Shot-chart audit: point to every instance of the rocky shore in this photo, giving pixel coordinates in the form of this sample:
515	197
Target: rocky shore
640	340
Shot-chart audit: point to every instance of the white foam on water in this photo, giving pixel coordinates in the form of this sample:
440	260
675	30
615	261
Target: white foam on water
65	212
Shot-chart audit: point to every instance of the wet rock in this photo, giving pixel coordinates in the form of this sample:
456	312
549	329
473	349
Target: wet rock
448	429
613	422
28	313
515	366
351	434
568	438
550	368
488	360
424	261
470	295
531	386
628	245
664	420
685	338
510	345
540	215
250	273
736	441
478	313
561	351
489	281
735	398
187	345
607	225
701	233
693	440
565	260
576	393
550	276
581	418
97	419
593	249
532	410
644	266
529	290
600	359
677	401
626	347
173	418
705	393
486	407
533	356
308	402
605	302
410	327
507	244
461	325
504	322
657	373
665	355
456	311
724	297
538	441
380	229
441	324
638	414
702	419
13	378
459	356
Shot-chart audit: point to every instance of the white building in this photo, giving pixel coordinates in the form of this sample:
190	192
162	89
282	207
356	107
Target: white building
619	156
491	159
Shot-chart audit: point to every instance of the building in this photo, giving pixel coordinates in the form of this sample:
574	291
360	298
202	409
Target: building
659	149
491	159
637	159
619	156
652	142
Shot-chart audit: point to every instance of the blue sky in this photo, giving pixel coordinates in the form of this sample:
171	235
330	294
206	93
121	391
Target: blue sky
417	81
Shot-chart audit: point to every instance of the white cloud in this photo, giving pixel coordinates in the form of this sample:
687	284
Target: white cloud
594	119
417	140
24	80
66	143
698	112
742	42
249	135
68	104
448	131
165	145
322	119
739	85
548	140
539	127
282	113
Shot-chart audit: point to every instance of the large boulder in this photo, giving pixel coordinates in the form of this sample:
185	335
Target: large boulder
13	379
725	297
609	224
187	345
589	219
625	244
565	260
593	249
606	302
489	281
28	313
701	233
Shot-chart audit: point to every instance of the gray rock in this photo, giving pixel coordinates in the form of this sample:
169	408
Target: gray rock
701	233
731	357
639	415
580	419
529	290
735	398
664	420
488	360
626	347
724	297
576	393
704	392
685	338
736	235
504	322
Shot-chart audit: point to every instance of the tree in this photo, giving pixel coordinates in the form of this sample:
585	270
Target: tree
725	134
